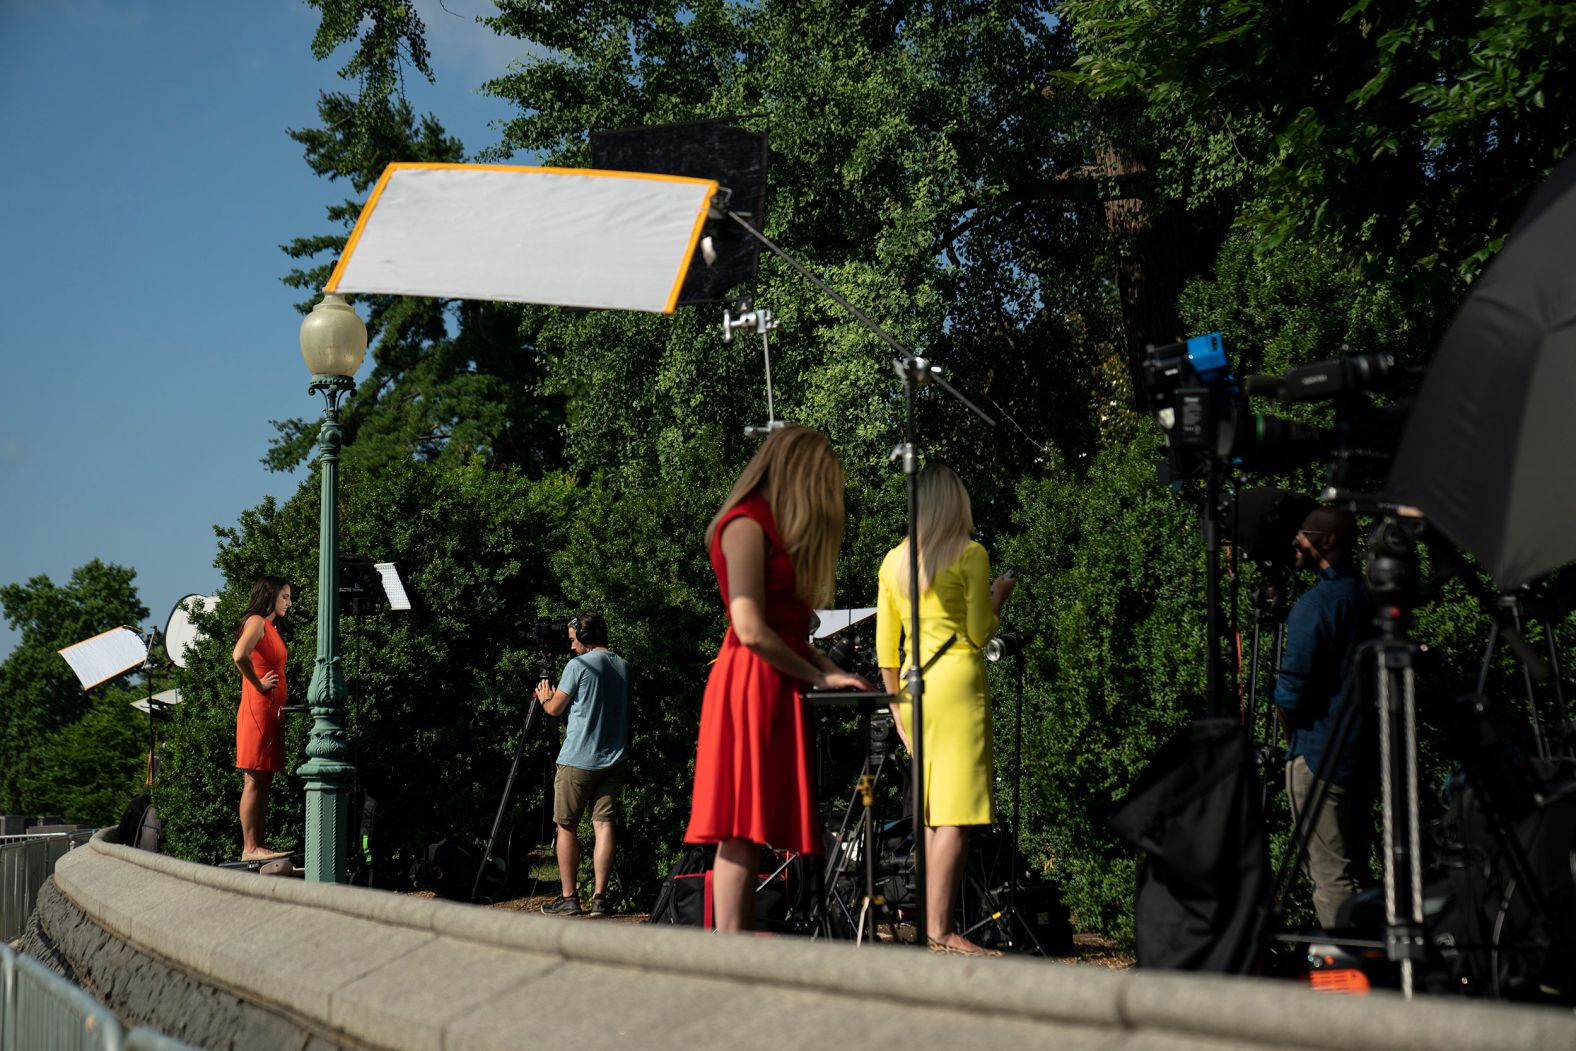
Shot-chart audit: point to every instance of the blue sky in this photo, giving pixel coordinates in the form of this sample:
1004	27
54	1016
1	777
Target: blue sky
146	338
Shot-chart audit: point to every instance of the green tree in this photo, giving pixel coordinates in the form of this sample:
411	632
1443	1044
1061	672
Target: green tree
1398	131
62	748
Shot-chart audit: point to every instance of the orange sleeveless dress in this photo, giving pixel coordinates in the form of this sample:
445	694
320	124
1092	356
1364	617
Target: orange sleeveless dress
753	775
260	721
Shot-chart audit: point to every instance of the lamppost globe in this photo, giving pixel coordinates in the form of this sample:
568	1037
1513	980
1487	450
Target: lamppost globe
333	338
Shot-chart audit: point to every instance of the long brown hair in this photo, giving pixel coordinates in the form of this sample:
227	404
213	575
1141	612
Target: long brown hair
945	524
265	595
798	473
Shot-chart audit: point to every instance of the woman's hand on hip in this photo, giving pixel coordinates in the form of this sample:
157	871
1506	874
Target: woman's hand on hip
269	680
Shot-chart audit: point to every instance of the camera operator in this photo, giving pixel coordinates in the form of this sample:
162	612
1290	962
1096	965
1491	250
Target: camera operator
594	691
1314	686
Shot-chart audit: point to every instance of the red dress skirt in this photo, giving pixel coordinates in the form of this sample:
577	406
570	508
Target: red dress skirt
260	722
752	766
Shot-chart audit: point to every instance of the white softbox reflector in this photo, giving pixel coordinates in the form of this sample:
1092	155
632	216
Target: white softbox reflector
832	621
559	236
105	656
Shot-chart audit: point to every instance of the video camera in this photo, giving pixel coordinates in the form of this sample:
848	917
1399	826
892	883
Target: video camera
552	641
1204	416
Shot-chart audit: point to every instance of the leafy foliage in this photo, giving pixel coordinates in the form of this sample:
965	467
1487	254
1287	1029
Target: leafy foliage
388	36
1397	130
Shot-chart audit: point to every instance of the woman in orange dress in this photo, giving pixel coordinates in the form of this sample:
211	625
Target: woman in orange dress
774	549
260	722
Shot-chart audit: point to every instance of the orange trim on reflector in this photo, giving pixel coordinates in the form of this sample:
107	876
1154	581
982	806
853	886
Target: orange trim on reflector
689	253
361	222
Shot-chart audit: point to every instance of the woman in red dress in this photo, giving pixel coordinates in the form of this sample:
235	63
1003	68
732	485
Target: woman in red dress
774	549
260	722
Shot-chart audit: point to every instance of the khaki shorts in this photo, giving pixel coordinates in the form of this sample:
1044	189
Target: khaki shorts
574	789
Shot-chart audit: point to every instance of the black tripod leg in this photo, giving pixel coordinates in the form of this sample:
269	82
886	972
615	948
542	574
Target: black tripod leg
1340	739
508	790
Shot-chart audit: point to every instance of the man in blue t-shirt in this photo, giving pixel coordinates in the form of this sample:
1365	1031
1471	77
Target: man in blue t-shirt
594	692
1312	690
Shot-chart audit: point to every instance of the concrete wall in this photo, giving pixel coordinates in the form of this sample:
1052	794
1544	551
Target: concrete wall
279	963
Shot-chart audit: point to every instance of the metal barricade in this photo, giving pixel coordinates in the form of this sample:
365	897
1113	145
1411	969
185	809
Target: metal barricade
40	1010
25	863
141	1039
46	1011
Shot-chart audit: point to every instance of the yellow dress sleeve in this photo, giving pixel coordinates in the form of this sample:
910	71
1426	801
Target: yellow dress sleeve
889	615
982	620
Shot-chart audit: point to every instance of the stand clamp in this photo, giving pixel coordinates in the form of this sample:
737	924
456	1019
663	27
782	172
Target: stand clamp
761	320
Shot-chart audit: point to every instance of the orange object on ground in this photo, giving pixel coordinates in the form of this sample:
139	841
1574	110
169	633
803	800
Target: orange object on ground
1347	980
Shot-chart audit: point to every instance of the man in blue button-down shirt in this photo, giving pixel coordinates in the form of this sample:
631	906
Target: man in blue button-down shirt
1314	686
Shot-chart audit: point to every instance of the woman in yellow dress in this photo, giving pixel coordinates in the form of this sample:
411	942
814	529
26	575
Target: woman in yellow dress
956	596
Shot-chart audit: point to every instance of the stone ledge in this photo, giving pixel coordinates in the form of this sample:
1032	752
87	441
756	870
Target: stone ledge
395	971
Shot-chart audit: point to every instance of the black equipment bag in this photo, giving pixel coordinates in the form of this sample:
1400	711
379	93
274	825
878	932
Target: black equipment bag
1196	815
685	897
450	870
140	825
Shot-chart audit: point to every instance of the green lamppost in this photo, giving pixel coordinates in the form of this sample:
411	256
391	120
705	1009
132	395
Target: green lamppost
333	342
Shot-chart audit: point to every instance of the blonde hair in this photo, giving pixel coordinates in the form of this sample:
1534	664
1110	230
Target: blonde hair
946	522
801	478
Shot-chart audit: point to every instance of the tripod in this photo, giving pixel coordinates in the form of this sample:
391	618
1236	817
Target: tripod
545	672
1513	607
1392	581
861	844
1269	607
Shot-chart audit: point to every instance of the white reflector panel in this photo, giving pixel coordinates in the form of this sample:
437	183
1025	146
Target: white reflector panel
392	586
105	656
164	699
835	620
560	236
179	631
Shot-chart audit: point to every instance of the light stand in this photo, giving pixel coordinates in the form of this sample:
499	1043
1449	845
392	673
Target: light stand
1269	606
1012	643
333	342
760	319
914	373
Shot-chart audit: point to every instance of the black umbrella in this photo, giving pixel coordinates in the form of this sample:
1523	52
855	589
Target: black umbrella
1489	452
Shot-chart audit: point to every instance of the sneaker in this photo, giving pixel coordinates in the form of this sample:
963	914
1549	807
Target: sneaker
561	907
600	907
